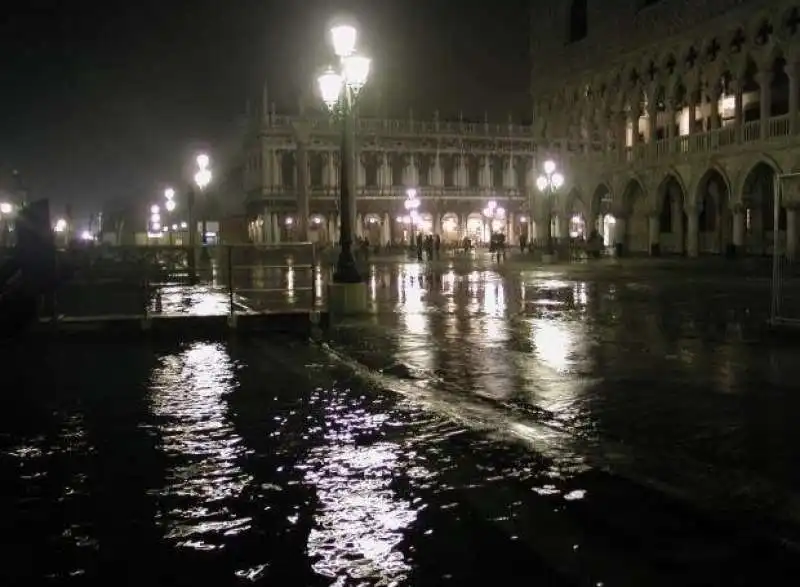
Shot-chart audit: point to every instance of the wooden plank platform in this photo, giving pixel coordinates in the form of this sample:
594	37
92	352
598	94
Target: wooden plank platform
295	322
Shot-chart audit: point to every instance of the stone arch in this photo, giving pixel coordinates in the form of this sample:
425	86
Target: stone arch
669	208
711	202
636	210
577	214
757	198
602	200
752	164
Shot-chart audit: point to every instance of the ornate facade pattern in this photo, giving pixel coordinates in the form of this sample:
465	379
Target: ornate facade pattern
455	168
681	144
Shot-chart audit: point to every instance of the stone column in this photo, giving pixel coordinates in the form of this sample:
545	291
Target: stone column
792	73
764	80
358	227
693	232
670	113
691	106
510	236
386	230
738	108
652	113
276	228
301	135
791	233
620	231
714	95
738	228
266	228
677	226
654	230
437	223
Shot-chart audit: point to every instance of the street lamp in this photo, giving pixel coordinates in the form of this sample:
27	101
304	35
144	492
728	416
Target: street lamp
339	90
6	208
411	205
202	178
549	183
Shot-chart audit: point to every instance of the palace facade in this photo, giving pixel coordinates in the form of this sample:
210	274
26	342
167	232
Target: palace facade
674	120
456	169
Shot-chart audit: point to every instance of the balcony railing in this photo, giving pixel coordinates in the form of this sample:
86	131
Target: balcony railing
410	127
698	144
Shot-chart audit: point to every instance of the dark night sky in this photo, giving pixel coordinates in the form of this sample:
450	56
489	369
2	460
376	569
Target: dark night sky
107	100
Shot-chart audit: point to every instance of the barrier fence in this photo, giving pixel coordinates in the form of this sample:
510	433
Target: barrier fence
148	282
785	301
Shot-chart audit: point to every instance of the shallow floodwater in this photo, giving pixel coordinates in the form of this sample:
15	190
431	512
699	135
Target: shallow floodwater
487	425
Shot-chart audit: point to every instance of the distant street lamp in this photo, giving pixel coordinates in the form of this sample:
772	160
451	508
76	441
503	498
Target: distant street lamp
169	204
202	178
6	208
493	212
339	91
412	205
549	183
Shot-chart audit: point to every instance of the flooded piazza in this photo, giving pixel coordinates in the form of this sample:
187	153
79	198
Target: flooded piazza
484	423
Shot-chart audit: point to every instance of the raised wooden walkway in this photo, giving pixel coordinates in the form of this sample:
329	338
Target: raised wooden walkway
294	322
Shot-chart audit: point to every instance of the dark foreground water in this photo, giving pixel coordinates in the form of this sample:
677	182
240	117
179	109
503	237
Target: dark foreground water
527	428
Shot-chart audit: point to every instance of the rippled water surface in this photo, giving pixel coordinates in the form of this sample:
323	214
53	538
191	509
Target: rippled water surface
486	425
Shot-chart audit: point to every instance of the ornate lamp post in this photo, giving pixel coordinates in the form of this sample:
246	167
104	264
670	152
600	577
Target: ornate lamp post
339	91
549	183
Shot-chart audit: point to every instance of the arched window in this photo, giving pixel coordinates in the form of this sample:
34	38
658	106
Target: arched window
578	21
708	214
665	220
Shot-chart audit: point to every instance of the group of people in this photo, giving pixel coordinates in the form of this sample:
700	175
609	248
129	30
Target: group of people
429	244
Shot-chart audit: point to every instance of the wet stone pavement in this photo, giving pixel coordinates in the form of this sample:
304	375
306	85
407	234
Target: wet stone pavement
486	424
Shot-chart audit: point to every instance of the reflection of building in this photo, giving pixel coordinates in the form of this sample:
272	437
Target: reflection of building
456	168
676	127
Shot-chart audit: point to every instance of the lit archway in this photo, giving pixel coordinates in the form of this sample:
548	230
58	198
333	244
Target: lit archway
603	223
577	215
475	228
373	227
318	229
450	227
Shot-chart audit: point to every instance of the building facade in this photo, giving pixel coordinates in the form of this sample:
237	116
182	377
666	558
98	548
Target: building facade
455	169
674	120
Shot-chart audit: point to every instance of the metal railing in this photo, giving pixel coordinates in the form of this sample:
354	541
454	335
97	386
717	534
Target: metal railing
152	282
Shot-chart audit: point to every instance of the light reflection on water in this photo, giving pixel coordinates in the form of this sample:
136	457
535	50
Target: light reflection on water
188	396
360	521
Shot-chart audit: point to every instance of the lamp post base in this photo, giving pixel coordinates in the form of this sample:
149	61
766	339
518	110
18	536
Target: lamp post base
346	299
346	270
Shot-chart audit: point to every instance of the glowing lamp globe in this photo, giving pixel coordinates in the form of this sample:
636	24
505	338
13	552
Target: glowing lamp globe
558	180
330	87
203	161
549	167
344	39
202	178
170	205
541	183
356	71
